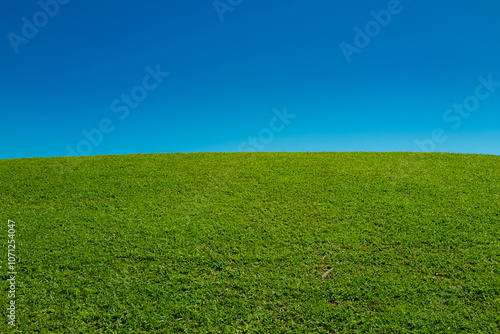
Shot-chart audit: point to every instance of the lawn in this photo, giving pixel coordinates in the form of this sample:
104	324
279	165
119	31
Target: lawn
239	242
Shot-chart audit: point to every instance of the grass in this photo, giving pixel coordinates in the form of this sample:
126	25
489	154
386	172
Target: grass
238	242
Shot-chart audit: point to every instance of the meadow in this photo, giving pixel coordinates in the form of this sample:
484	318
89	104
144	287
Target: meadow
241	243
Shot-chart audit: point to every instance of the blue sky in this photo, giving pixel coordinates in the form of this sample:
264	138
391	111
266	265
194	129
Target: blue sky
116	77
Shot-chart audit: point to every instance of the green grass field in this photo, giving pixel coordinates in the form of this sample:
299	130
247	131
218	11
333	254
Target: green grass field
239	242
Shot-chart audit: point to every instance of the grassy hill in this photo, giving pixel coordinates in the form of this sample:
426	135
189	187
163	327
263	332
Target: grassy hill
239	242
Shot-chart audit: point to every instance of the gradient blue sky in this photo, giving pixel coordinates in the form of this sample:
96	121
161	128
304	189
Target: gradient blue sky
227	76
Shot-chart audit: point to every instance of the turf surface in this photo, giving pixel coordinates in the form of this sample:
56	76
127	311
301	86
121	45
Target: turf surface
239	242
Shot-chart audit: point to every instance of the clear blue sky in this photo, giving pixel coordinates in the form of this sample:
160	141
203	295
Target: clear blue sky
283	75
